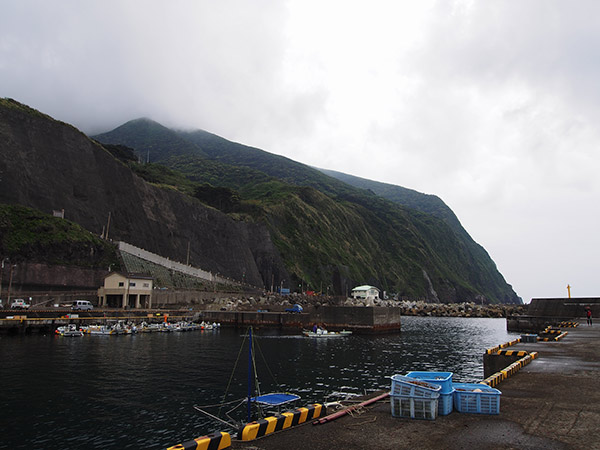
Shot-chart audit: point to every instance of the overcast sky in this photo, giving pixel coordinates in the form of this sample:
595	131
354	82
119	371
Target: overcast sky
492	106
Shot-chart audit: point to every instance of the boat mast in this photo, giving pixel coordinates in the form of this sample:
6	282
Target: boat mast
249	402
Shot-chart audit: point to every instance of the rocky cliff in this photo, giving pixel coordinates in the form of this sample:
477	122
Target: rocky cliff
281	223
49	165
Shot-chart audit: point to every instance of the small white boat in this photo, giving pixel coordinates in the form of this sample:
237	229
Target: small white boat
149	328
69	331
99	330
322	333
209	326
185	326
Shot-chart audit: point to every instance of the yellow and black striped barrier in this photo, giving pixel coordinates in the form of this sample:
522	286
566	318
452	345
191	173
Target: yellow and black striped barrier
555	338
568	324
213	441
551	331
519	353
491	351
496	378
268	425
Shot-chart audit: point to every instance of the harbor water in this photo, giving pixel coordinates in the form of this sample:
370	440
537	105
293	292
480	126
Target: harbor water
139	391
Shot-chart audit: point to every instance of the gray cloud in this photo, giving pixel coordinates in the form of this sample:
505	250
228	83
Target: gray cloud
491	106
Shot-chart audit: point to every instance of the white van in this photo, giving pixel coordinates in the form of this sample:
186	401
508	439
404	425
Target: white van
82	305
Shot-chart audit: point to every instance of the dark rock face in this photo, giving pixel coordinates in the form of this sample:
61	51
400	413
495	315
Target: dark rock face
48	165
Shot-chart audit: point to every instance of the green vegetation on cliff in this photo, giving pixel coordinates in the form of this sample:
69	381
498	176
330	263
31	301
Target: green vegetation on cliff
30	235
329	233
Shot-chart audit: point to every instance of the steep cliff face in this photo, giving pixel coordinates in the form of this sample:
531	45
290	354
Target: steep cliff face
334	232
300	226
48	165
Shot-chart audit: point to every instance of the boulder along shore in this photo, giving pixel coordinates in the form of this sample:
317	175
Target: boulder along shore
409	308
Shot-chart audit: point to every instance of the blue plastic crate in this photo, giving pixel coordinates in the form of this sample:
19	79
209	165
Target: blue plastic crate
445	403
414	407
411	387
476	398
444	379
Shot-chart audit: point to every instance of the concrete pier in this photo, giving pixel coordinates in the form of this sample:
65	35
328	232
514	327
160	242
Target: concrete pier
364	320
542	312
552	403
359	319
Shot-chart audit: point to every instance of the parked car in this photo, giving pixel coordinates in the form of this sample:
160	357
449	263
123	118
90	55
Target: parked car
82	305
19	303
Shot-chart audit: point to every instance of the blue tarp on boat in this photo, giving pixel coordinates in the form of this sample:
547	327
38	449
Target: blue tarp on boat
275	399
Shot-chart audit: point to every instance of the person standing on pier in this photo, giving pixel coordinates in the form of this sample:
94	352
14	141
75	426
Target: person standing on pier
589	316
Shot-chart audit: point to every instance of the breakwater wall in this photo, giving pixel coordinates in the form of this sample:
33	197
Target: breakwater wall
544	312
354	318
365	320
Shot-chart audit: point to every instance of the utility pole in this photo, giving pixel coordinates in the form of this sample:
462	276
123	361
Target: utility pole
107	226
187	262
10	281
1	275
569	290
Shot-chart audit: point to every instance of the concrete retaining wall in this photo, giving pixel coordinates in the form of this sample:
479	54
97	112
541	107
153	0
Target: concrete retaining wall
28	276
169	264
169	297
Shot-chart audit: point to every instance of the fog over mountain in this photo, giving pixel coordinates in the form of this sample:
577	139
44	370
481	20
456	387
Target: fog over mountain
490	106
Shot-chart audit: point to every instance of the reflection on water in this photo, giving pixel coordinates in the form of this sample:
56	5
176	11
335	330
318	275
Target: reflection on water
138	391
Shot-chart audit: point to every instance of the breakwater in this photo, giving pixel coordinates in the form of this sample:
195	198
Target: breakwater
358	319
277	303
381	316
544	312
354	318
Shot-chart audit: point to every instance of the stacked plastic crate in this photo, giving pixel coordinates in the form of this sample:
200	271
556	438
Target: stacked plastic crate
413	398
476	398
425	395
442	379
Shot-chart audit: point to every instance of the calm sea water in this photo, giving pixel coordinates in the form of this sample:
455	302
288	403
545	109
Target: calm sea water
110	392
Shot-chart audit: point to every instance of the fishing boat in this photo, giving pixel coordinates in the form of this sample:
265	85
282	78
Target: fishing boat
69	331
263	413
99	330
322	333
255	404
209	326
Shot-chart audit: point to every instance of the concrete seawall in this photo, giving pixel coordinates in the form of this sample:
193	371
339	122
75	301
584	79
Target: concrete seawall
365	320
355	318
543	312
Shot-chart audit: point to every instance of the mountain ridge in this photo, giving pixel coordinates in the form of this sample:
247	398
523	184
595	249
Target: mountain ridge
274	169
242	212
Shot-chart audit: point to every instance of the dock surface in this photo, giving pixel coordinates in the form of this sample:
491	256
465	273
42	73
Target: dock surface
552	403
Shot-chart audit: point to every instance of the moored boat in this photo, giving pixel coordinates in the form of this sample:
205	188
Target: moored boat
322	333
69	331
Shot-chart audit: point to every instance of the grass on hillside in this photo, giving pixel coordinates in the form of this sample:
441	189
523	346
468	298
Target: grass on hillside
30	235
